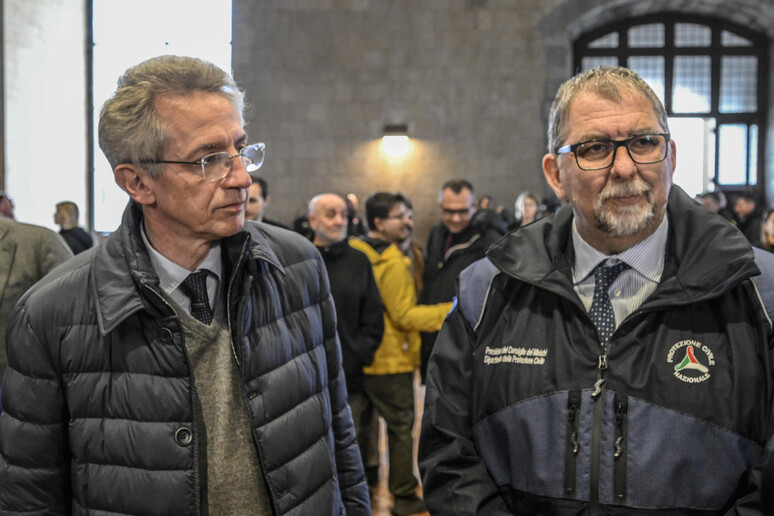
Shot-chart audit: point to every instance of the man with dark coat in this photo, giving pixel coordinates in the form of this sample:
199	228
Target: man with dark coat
359	309
66	217
188	364
616	357
461	237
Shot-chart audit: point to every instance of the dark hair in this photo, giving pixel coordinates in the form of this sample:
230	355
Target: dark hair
379	205
711	195
264	186
456	186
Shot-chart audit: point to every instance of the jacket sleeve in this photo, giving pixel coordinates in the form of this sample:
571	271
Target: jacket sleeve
371	324
349	466
759	497
52	251
34	454
455	480
400	301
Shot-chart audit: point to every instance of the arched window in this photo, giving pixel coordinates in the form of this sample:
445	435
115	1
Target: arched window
711	76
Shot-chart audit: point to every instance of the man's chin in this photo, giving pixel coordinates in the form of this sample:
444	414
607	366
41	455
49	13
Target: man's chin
625	221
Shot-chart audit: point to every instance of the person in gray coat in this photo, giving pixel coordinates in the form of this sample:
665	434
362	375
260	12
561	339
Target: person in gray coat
189	363
27	253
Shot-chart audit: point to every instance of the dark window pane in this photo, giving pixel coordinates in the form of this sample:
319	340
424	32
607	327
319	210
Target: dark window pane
732	154
692	35
729	39
651	69
692	84
651	35
592	62
606	41
738	84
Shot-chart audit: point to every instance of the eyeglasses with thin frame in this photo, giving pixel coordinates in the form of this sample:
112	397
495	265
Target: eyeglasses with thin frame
217	166
401	216
643	149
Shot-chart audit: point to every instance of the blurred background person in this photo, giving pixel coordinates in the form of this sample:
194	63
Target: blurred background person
460	238
27	253
66	217
389	381
6	206
359	309
257	201
767	231
748	217
716	203
526	209
355	226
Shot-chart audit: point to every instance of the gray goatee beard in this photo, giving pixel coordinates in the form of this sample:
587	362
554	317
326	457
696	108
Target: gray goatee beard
620	221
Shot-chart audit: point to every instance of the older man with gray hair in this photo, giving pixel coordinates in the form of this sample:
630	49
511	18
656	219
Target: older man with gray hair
613	358
189	364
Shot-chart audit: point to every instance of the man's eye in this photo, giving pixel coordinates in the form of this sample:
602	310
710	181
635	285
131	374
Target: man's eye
644	142
213	159
592	149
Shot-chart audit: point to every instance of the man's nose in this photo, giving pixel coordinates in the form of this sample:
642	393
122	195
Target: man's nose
237	176
623	165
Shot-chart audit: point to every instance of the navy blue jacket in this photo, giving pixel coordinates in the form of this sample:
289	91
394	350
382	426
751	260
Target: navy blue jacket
511	424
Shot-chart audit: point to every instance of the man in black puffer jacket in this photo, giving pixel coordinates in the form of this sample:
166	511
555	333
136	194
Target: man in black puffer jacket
120	401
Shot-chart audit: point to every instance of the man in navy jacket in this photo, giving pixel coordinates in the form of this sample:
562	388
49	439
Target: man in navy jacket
615	358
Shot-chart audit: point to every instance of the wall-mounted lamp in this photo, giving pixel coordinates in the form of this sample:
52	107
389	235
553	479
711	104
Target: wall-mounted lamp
395	141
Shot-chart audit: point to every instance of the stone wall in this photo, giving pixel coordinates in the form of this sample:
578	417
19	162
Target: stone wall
473	79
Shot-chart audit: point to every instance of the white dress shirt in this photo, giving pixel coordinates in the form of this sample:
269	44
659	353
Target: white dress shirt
633	285
171	275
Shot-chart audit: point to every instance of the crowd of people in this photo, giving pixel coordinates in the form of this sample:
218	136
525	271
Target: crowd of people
612	356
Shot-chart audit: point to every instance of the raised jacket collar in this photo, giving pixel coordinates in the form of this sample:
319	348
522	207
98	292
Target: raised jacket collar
123	278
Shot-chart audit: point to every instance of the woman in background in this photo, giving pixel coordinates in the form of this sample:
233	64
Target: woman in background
527	210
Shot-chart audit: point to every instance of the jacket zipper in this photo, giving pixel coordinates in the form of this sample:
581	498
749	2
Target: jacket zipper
621	405
572	446
228	306
597	430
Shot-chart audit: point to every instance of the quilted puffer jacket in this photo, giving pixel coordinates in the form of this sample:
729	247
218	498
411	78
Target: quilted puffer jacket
99	394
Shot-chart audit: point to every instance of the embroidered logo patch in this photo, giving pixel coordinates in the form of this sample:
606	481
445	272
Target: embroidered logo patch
692	361
513	355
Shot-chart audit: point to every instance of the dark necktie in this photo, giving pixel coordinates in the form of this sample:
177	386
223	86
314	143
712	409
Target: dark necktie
601	311
195	287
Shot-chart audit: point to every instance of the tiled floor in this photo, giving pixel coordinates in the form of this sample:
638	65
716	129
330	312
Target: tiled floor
381	499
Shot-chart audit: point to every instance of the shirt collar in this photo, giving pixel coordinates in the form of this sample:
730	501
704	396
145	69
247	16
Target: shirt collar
171	275
646	257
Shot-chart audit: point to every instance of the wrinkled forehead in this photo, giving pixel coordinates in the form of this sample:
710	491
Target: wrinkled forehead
591	108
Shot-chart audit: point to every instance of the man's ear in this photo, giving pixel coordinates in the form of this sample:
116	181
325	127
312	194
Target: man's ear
136	182
553	175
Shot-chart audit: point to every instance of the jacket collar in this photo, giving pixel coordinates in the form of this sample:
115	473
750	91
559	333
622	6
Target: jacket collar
123	278
705	255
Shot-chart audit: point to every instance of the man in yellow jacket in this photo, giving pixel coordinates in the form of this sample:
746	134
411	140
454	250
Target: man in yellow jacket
389	380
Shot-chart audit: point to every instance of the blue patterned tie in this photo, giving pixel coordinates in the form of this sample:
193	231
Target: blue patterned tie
601	311
195	287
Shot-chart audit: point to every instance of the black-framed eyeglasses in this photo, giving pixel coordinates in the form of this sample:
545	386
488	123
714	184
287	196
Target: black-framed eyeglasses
451	213
643	149
217	166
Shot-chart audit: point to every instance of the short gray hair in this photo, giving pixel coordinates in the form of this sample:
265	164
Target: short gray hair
130	129
606	82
